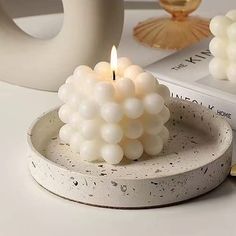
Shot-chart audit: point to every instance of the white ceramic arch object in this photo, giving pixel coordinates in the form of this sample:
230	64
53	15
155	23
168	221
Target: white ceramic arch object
89	30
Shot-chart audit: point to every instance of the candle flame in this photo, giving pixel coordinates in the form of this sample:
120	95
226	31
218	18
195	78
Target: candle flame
113	59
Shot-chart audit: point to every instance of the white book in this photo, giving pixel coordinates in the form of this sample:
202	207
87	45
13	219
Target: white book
187	76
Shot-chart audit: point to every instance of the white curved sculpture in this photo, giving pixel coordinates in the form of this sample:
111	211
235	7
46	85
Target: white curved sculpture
89	30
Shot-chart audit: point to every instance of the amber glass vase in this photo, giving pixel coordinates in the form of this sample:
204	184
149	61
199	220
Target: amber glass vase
176	32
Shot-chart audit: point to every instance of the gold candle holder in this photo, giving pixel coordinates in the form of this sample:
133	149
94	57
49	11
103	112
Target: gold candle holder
176	32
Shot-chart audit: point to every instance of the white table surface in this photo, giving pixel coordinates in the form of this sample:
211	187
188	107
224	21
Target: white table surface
28	210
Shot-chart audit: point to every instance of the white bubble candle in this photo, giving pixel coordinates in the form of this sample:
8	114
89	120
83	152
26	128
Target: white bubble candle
223	47
113	111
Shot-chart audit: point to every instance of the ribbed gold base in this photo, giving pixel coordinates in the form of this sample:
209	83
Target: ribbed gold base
168	33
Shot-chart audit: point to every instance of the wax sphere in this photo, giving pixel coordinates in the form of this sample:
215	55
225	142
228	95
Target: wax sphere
153	144
132	72
163	91
69	80
153	124
64	92
66	132
75	120
231	72
231	32
111	112
125	88
133	149
88	109
133	108
90	150
122	64
103	68
81	71
231	51
78	85
145	83
164	134
90	82
133	129
217	47
219	25
104	92
90	128
232	15
112	153
217	68
64	113
75	101
111	133
164	114
153	103
76	141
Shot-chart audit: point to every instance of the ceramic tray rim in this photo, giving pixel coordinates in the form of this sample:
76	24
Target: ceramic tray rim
184	102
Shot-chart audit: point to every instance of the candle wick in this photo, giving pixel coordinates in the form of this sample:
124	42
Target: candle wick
114	75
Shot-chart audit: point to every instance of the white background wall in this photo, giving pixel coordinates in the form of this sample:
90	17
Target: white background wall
18	8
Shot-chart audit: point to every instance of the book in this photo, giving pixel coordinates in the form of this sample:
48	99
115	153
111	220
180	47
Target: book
187	76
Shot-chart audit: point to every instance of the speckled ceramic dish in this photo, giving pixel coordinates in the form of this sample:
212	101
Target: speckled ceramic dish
196	160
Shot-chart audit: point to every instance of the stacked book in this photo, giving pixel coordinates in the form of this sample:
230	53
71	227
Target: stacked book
187	76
